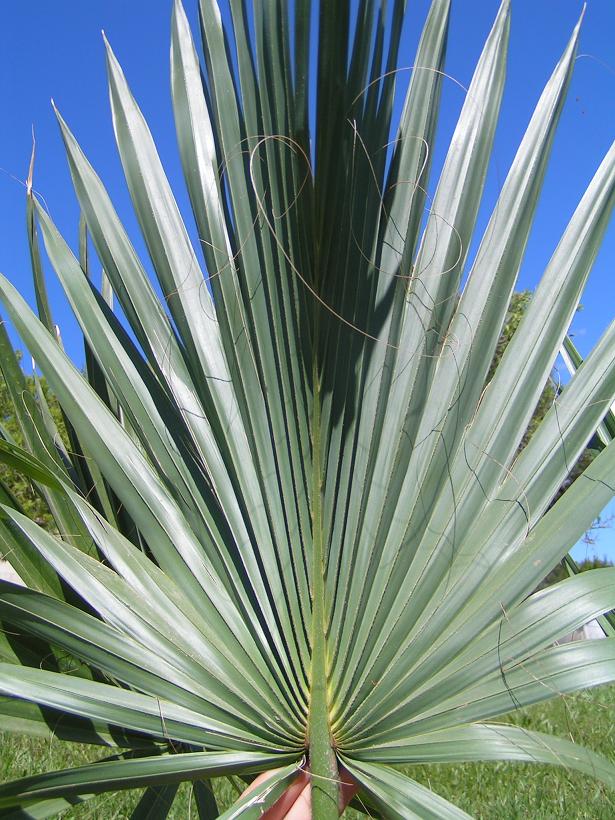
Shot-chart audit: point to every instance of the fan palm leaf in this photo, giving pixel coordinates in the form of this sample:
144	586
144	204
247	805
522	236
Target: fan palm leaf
297	531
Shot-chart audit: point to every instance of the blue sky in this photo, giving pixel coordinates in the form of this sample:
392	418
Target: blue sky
55	50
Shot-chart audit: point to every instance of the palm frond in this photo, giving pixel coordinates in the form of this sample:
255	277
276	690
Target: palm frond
294	528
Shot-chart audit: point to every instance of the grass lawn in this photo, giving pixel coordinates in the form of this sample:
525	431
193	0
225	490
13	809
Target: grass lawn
493	790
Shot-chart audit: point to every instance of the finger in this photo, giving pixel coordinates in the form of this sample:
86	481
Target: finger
301	809
348	788
257	781
283	807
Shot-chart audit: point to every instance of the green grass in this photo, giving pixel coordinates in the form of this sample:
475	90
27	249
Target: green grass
490	790
508	791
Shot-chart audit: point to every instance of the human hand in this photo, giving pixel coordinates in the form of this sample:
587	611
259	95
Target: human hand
296	802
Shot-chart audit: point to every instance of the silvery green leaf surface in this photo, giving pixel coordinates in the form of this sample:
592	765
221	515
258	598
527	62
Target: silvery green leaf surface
293	529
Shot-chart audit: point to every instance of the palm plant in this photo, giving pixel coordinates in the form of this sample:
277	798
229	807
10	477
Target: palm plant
293	529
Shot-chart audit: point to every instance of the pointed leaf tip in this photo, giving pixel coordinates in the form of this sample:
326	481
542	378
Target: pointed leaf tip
580	21
178	13
503	14
113	64
31	166
107	44
66	132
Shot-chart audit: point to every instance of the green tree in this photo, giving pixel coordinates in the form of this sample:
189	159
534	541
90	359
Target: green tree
17	484
516	310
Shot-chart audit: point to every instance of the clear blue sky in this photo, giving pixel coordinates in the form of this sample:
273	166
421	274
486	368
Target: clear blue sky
55	50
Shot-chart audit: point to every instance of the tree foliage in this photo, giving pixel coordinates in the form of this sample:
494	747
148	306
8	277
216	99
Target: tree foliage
18	485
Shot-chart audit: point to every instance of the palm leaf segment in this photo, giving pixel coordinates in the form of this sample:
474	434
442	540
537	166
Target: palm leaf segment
305	538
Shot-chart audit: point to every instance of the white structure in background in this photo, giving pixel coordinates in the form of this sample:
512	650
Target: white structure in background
7	573
590	631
